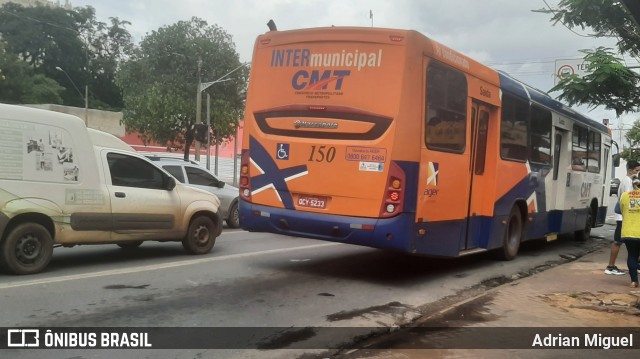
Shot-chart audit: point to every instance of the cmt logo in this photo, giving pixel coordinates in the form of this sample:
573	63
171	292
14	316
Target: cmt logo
316	80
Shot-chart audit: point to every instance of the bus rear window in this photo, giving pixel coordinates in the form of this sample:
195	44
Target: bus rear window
337	123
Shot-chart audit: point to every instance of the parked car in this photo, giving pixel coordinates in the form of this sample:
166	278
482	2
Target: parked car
69	185
156	157
615	184
196	176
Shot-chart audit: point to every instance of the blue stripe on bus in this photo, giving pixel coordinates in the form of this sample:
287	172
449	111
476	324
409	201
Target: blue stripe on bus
399	233
273	176
329	227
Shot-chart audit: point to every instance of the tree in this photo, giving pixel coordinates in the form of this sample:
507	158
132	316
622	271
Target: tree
89	51
610	84
109	45
19	83
160	82
633	137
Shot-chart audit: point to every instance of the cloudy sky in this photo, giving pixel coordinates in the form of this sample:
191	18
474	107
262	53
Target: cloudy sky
504	34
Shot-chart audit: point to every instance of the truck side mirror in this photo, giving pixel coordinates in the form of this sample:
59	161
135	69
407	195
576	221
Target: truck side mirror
171	183
221	184
616	160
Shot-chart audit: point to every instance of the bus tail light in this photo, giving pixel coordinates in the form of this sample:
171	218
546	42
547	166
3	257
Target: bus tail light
393	201
245	180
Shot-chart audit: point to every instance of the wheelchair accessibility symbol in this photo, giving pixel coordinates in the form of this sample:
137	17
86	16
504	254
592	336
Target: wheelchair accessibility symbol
283	151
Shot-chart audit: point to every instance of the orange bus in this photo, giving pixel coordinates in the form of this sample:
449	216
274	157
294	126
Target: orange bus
386	138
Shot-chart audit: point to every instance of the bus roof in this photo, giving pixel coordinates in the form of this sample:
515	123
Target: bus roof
397	37
528	93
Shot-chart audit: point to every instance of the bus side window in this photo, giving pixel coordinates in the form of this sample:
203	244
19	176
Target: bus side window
540	136
593	147
579	152
446	109
513	129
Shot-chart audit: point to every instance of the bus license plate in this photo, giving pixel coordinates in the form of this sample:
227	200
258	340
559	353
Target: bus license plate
312	201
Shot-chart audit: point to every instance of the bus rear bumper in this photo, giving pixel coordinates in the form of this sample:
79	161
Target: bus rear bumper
389	233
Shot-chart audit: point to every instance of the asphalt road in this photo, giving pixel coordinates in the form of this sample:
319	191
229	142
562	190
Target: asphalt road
251	280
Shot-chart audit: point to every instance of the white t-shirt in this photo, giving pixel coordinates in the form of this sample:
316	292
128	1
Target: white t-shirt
626	185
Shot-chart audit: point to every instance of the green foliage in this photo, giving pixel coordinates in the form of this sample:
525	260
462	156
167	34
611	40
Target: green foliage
633	137
22	84
605	17
160	82
89	51
611	84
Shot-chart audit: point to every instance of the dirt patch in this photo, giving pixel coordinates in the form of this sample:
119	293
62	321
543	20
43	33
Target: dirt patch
586	305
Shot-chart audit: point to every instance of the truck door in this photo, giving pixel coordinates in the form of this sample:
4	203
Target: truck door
141	205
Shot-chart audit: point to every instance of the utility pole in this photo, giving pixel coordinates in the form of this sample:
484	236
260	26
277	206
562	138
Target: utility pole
198	106
208	132
86	105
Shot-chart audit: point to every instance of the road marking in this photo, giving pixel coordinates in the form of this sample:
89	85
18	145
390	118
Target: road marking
156	266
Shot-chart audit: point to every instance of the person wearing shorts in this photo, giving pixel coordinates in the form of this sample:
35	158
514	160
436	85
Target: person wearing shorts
626	185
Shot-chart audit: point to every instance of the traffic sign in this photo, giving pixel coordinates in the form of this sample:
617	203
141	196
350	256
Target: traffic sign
566	67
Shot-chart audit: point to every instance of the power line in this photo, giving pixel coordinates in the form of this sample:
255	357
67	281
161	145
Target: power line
563	24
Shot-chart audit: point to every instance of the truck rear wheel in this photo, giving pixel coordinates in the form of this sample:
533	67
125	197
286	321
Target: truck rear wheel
201	235
27	249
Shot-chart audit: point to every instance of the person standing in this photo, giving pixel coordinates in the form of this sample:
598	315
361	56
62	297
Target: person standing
630	209
633	167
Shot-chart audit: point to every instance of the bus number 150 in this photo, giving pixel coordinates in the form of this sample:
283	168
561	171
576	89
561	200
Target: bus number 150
322	153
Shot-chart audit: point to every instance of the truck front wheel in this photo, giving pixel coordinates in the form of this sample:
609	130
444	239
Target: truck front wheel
201	235
27	249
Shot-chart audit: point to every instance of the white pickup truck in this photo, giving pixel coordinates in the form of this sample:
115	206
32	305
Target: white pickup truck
62	184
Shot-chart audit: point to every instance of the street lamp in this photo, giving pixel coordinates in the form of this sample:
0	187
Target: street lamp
85	97
202	87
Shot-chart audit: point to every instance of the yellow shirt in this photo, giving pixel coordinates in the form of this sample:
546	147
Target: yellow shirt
630	208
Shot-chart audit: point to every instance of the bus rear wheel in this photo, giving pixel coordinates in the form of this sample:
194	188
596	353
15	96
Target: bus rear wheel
584	234
512	236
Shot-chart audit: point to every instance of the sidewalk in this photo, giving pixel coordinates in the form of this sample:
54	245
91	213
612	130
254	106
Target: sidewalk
576	294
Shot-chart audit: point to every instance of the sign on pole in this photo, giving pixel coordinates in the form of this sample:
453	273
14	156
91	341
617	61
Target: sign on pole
566	67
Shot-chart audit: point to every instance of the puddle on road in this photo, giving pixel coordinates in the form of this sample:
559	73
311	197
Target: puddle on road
472	312
439	331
